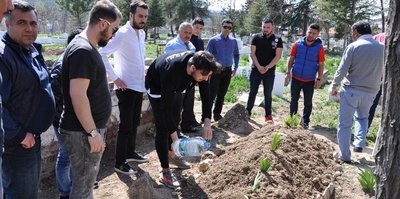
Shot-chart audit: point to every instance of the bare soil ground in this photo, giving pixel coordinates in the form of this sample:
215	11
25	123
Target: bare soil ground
302	167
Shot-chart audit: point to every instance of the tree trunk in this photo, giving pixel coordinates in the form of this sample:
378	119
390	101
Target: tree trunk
388	143
383	16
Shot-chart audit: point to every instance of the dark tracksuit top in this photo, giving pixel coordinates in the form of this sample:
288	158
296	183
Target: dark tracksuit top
166	76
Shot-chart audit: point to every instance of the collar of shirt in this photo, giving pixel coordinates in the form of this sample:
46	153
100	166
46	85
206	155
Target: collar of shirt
366	36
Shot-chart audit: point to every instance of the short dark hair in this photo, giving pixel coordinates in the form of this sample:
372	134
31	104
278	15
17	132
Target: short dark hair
137	4
362	27
268	20
104	9
315	27
205	61
22	6
198	20
227	21
73	33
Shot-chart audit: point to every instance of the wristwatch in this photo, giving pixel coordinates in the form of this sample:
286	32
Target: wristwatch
318	79
93	133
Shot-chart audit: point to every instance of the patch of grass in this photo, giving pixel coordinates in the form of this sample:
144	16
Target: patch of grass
276	141
265	164
151	50
367	180
281	66
238	85
331	64
325	113
244	61
292	121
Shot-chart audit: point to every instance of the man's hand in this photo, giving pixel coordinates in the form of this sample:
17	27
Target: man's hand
96	143
233	72
262	69
287	78
29	141
207	131
317	84
120	84
334	91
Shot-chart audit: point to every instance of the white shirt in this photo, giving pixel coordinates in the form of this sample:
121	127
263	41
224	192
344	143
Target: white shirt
129	57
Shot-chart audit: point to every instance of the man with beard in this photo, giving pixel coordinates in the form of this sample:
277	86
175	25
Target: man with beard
169	74
87	99
128	75
306	60
28	101
266	51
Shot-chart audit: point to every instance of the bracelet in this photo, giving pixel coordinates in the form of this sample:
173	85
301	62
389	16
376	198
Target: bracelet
318	79
288	73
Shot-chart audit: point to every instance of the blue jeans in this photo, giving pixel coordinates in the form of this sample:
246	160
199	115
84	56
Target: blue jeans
63	168
85	165
21	170
353	104
268	84
308	91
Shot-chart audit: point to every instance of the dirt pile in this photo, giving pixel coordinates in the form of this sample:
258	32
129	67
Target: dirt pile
301	167
235	120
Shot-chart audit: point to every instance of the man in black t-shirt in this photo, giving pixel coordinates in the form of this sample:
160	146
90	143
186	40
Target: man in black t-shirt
87	100
266	51
171	73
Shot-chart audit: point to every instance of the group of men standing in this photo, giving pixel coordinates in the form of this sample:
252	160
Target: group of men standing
29	106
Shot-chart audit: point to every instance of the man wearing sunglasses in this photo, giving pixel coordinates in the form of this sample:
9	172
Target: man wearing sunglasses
169	74
128	73
226	52
87	100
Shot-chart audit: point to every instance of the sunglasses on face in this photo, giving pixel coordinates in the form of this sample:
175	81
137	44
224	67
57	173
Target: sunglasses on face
115	29
227	27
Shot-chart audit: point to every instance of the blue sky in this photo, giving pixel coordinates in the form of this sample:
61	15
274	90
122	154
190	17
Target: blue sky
219	4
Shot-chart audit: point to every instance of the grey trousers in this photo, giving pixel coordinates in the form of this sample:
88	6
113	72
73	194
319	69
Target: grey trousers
85	165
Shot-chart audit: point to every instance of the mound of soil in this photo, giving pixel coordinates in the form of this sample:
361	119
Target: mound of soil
301	167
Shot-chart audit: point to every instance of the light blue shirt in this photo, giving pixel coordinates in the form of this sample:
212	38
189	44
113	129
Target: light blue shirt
177	44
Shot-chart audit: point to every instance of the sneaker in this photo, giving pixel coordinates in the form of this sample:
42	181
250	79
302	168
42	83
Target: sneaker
268	119
179	162
64	197
125	169
305	125
96	184
169	180
181	135
217	117
358	149
137	157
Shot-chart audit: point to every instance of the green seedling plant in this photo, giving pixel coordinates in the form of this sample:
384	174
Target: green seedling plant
292	121
367	180
256	183
265	164
276	141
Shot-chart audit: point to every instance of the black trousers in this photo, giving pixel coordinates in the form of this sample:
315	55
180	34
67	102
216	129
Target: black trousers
219	84
373	107
163	139
188	117
130	107
308	92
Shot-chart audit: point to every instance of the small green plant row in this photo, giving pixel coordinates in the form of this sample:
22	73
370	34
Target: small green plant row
367	180
266	163
292	121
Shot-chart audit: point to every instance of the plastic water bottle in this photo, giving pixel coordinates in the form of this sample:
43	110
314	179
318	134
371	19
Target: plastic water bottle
195	146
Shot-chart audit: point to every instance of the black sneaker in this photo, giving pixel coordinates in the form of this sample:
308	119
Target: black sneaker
125	169
137	157
181	135
217	117
358	149
96	184
305	126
